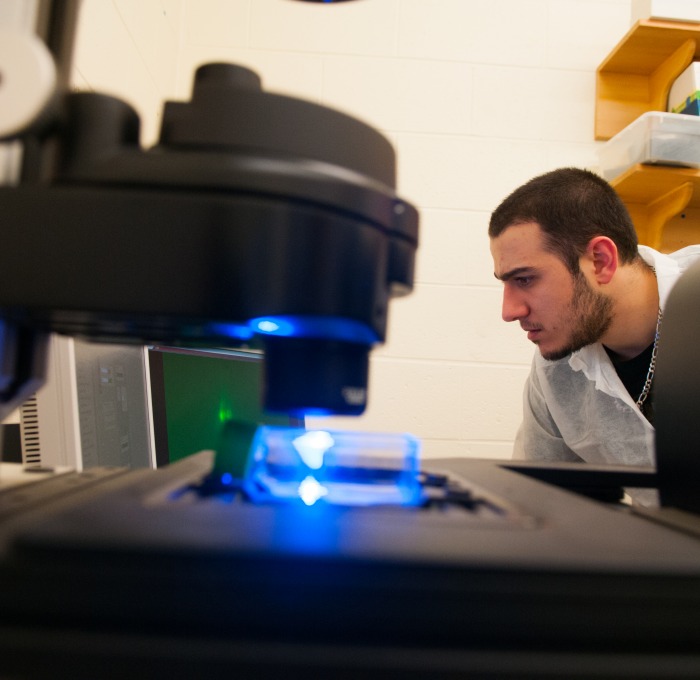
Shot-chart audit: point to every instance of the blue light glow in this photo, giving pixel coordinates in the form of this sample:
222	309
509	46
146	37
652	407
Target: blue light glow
232	330
312	411
329	328
322	327
267	326
311	491
226	478
273	326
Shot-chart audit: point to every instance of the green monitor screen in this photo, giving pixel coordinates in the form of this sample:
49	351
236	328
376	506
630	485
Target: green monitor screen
197	394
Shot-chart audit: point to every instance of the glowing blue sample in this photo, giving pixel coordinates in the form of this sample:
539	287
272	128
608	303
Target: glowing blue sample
342	468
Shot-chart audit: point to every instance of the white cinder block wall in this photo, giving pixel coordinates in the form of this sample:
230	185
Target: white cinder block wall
129	49
477	96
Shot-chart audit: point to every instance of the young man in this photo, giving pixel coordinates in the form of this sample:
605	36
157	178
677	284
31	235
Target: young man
591	300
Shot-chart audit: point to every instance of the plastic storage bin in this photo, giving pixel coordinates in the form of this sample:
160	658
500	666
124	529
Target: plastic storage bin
659	138
666	10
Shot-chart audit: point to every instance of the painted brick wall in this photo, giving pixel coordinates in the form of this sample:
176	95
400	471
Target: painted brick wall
130	48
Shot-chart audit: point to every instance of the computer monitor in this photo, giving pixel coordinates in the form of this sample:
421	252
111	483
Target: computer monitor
197	393
135	406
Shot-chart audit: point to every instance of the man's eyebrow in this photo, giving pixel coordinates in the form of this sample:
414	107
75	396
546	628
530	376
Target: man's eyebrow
518	271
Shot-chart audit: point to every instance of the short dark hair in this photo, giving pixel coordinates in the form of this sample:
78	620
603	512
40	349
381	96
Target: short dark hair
572	206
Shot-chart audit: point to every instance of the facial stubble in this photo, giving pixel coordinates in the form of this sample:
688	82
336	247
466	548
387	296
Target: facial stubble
590	315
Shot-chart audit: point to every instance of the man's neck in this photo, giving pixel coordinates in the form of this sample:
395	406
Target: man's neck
636	310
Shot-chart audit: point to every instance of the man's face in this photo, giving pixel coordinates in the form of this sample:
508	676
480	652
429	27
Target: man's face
560	312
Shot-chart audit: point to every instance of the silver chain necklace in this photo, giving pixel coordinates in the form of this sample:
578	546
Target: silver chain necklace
652	365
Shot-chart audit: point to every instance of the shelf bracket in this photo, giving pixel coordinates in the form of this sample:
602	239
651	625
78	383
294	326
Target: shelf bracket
661	210
666	72
623	93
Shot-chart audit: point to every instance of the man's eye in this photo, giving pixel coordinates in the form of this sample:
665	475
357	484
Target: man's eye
524	281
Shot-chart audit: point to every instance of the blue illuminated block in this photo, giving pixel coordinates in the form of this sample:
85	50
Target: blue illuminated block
342	468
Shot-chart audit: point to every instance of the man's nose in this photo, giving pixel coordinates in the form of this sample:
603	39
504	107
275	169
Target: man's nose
514	306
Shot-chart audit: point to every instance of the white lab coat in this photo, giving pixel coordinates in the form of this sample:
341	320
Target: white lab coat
577	409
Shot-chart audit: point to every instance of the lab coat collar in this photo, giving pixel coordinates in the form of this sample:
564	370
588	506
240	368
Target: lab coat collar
593	360
668	269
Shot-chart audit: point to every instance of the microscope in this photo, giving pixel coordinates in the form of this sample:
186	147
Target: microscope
257	218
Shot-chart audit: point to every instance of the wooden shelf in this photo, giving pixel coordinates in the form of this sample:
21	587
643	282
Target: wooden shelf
637	75
664	203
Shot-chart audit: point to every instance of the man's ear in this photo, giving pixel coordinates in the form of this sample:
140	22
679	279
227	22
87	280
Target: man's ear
602	252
